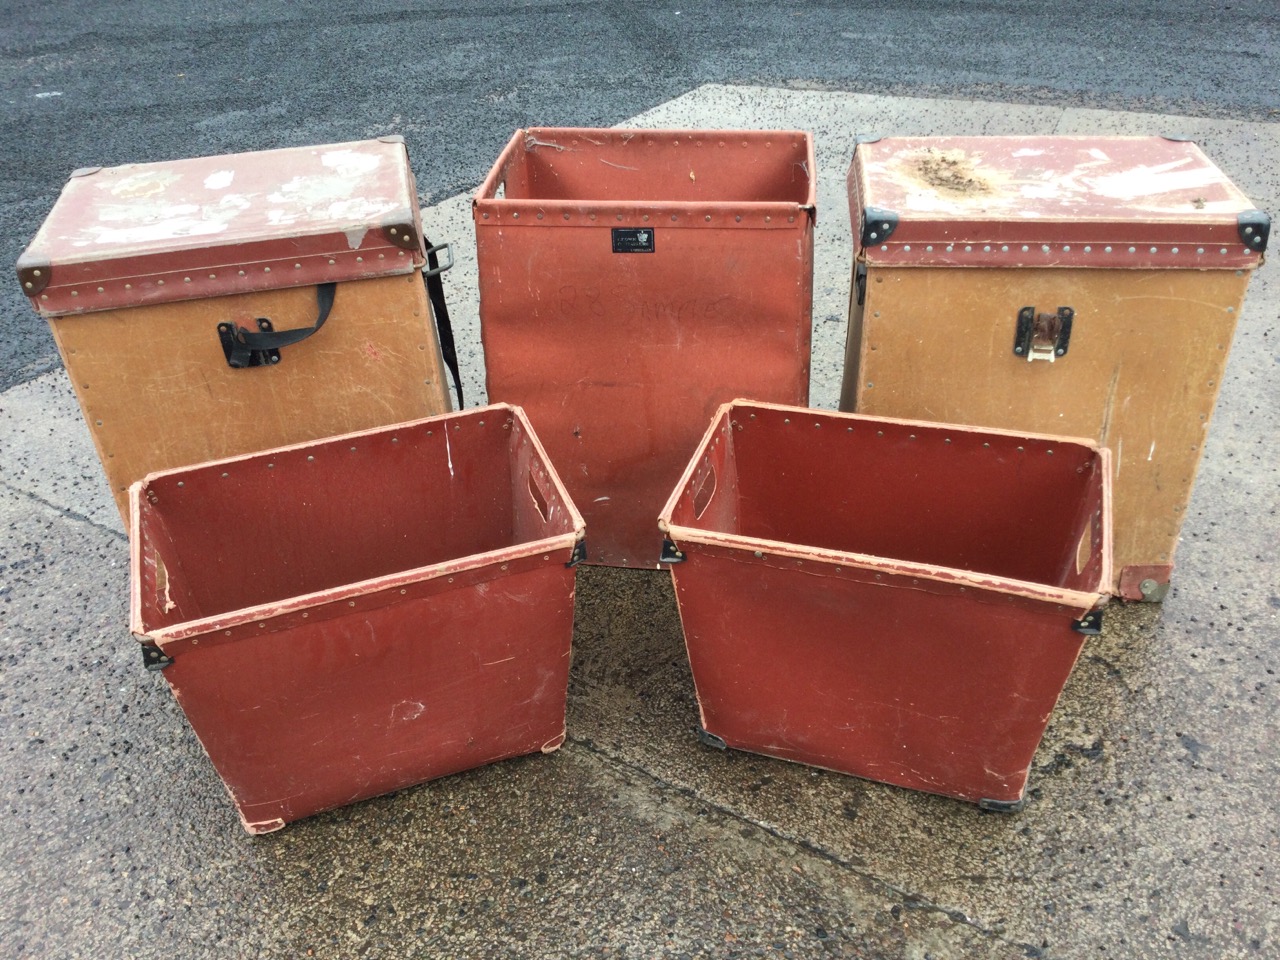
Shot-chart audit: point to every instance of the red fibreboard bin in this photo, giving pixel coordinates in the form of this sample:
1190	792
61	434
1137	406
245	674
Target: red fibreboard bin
897	600
343	618
631	281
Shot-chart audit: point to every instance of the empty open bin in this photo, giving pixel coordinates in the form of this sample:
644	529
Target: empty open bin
347	617
631	281
897	600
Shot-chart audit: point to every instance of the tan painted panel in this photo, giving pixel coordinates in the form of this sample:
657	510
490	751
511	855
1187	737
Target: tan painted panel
1141	376
157	393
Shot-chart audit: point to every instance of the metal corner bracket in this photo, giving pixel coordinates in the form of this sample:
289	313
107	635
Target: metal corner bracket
1254	227
711	740
877	225
670	553
153	658
1003	806
579	553
1090	624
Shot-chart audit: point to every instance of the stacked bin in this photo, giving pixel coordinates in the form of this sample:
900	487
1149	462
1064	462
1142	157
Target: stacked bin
630	282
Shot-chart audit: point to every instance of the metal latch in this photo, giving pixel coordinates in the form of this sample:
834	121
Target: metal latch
238	352
1043	336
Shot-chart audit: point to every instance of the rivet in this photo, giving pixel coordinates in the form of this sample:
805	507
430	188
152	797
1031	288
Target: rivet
358	260
403	591
539	216
261	625
266	269
986	248
929	248
101	290
213	276
382	256
393	231
486	216
1199	249
907	248
1066	248
884	246
225	475
768	219
351	603
950	247
399	253
305	615
673	216
1133	249
98	422
242	272
566	216
968	248
28	285
35	273
1223	250
1025	248
1004	248
1088	249
759	553
76	293
707	218
515	216
618	217
271	466
181	483
1106	249
1174	250
311	459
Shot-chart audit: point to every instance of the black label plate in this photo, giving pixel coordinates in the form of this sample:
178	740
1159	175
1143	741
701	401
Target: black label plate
632	240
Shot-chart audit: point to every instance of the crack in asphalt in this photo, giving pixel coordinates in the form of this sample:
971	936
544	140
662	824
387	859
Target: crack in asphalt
66	512
910	901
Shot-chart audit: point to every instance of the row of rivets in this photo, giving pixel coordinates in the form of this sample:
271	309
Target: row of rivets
212	276
1046	248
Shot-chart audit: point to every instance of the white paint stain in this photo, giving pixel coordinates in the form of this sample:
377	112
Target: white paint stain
219	180
406	710
1152	452
349	163
47	94
1027	152
1098	154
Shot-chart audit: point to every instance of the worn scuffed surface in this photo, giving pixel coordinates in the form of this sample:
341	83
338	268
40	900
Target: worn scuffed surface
1152	828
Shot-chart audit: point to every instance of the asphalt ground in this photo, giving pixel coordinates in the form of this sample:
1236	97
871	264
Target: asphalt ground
1152	828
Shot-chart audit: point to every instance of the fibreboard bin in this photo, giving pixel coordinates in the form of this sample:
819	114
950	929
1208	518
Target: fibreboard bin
343	618
896	600
630	282
1087	286
215	306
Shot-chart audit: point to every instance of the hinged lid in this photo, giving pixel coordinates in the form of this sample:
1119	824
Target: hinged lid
185	229
1126	202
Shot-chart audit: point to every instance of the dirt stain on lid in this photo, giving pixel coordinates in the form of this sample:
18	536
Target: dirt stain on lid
949	171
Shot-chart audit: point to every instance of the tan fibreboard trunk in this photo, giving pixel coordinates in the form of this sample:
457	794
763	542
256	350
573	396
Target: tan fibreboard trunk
1074	286
148	273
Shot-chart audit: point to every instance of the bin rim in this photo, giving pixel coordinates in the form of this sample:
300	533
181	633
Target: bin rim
485	193
1078	599
295	604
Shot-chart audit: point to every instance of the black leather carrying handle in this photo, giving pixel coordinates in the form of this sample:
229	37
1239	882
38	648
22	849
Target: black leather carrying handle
246	348
246	342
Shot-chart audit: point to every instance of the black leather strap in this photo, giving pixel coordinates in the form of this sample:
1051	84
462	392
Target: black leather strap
247	348
435	293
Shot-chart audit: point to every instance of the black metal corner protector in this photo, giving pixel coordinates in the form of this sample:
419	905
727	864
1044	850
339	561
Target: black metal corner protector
670	554
579	553
1003	806
877	225
711	740
153	658
1254	227
1090	624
